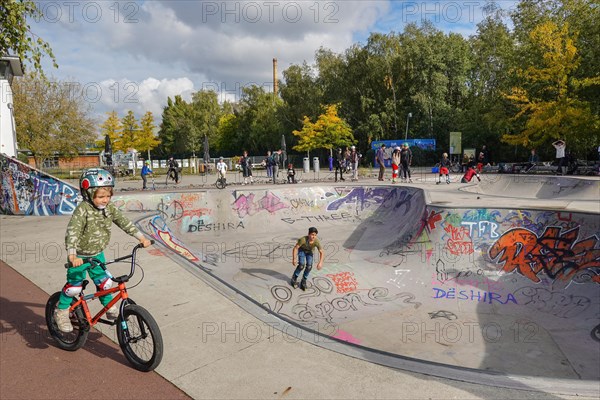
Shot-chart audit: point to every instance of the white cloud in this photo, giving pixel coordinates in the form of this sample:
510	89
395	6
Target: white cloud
148	95
163	48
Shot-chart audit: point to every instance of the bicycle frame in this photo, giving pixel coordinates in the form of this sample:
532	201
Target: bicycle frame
121	288
82	300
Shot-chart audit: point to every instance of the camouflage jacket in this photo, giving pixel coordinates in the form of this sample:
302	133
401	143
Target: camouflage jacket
88	232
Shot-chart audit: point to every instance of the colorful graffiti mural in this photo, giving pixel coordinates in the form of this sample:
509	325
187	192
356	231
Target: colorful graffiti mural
27	191
556	252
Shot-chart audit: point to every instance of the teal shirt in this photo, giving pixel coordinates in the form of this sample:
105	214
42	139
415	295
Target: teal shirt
88	232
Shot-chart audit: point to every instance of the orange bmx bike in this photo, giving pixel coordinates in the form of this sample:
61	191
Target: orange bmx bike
137	331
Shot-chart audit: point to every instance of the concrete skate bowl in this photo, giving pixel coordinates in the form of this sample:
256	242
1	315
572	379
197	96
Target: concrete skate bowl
494	296
540	187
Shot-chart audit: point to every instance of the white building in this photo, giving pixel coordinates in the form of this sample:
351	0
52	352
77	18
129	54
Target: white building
10	67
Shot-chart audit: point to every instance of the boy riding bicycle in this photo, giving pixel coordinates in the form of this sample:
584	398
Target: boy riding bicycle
88	234
173	169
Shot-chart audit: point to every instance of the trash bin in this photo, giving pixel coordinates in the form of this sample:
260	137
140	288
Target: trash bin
201	169
306	165
316	164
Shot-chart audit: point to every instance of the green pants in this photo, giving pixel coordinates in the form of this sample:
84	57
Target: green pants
75	277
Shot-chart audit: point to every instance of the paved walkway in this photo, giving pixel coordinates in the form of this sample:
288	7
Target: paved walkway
32	367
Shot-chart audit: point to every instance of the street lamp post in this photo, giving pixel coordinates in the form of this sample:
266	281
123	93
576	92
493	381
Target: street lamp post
408	117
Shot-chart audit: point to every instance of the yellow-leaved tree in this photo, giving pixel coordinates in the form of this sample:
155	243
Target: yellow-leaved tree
547	101
146	140
111	127
327	132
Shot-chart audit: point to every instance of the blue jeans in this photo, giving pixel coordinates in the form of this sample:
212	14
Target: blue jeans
305	261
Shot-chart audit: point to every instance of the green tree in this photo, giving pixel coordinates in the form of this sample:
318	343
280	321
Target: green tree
51	117
258	120
16	34
206	114
228	141
174	128
486	111
301	95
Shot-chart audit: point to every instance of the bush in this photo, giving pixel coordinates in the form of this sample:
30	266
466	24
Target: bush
424	157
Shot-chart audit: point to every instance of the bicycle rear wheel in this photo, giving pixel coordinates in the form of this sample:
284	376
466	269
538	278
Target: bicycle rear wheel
140	338
67	341
220	183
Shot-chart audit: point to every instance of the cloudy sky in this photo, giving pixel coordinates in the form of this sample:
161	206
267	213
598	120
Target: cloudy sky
132	55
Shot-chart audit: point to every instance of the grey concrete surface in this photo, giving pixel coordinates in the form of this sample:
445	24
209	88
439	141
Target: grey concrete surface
214	348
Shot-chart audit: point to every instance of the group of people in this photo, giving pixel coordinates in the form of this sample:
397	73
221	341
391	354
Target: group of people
347	161
173	170
271	163
401	160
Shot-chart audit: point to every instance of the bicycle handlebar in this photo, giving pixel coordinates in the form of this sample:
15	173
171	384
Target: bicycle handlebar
93	261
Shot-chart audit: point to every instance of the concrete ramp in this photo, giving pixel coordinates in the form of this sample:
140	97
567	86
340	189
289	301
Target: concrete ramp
539	187
28	191
490	291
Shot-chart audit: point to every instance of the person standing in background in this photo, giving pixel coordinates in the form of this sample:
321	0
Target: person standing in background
380	157
276	161
405	163
354	160
395	163
561	146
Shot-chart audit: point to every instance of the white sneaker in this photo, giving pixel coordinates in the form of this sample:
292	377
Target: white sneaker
61	317
112	313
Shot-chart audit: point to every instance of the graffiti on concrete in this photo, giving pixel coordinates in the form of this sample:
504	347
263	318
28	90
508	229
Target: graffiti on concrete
365	198
473	295
449	315
247	205
344	282
311	307
557	303
459	241
161	231
558	253
318	218
27	191
200	226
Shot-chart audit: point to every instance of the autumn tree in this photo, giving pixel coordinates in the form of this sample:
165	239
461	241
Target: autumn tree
146	140
547	100
129	134
327	132
51	118
111	127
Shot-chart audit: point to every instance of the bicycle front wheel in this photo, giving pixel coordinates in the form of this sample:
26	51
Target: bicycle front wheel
67	341
140	338
221	183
